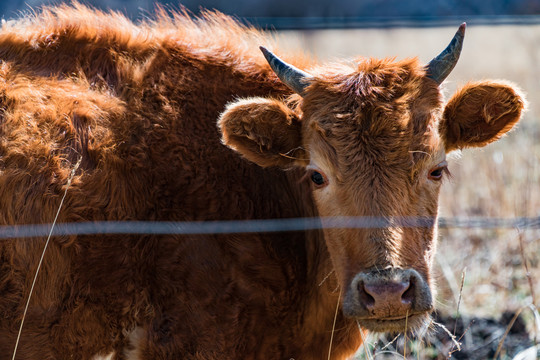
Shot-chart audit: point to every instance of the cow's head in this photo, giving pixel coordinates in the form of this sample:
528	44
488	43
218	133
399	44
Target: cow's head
373	137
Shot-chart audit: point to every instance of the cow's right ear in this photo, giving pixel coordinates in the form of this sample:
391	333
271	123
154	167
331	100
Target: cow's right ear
480	113
264	131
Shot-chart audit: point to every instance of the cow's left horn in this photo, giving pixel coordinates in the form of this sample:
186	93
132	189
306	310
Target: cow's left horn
290	75
441	66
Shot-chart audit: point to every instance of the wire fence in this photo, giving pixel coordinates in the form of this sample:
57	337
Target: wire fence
259	226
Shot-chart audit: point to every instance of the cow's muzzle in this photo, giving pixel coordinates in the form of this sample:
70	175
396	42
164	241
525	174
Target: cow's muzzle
388	300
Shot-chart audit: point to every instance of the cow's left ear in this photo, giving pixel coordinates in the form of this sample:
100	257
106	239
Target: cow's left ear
265	131
480	113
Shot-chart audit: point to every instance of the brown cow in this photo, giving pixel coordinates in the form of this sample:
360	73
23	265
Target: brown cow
138	104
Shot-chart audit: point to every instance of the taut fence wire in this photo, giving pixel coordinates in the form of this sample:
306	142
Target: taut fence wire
255	226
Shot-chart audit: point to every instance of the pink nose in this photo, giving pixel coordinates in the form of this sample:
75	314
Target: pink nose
388	294
387	297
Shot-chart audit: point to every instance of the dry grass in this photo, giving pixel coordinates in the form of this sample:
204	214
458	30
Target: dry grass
502	265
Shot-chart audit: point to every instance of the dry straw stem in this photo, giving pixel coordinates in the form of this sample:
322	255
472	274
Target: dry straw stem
405	335
537	321
526	266
364	342
452	337
462	335
334	326
458	315
459	298
43	255
450	278
326	277
390	343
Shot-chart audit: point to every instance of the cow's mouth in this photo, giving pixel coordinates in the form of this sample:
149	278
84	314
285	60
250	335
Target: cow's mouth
411	323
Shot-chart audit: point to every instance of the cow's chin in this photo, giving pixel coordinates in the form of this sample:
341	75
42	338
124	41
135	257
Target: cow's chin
415	324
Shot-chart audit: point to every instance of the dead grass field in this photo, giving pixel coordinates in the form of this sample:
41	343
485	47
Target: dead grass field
500	181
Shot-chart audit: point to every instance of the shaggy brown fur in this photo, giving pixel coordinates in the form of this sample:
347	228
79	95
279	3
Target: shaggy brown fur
139	104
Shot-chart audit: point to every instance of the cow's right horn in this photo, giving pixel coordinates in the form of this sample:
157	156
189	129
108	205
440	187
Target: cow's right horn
441	66
291	76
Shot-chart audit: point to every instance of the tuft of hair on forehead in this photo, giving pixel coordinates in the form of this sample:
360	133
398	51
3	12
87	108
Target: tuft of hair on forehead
373	107
378	79
376	95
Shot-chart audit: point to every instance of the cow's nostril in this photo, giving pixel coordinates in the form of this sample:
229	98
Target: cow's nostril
365	298
407	297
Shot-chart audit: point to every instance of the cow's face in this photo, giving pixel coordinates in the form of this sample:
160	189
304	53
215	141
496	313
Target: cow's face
373	138
375	153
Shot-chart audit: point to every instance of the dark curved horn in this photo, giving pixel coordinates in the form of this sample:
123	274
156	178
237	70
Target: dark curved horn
441	66
290	75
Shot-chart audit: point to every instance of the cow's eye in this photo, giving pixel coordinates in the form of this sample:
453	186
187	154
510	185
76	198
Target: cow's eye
437	172
318	179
